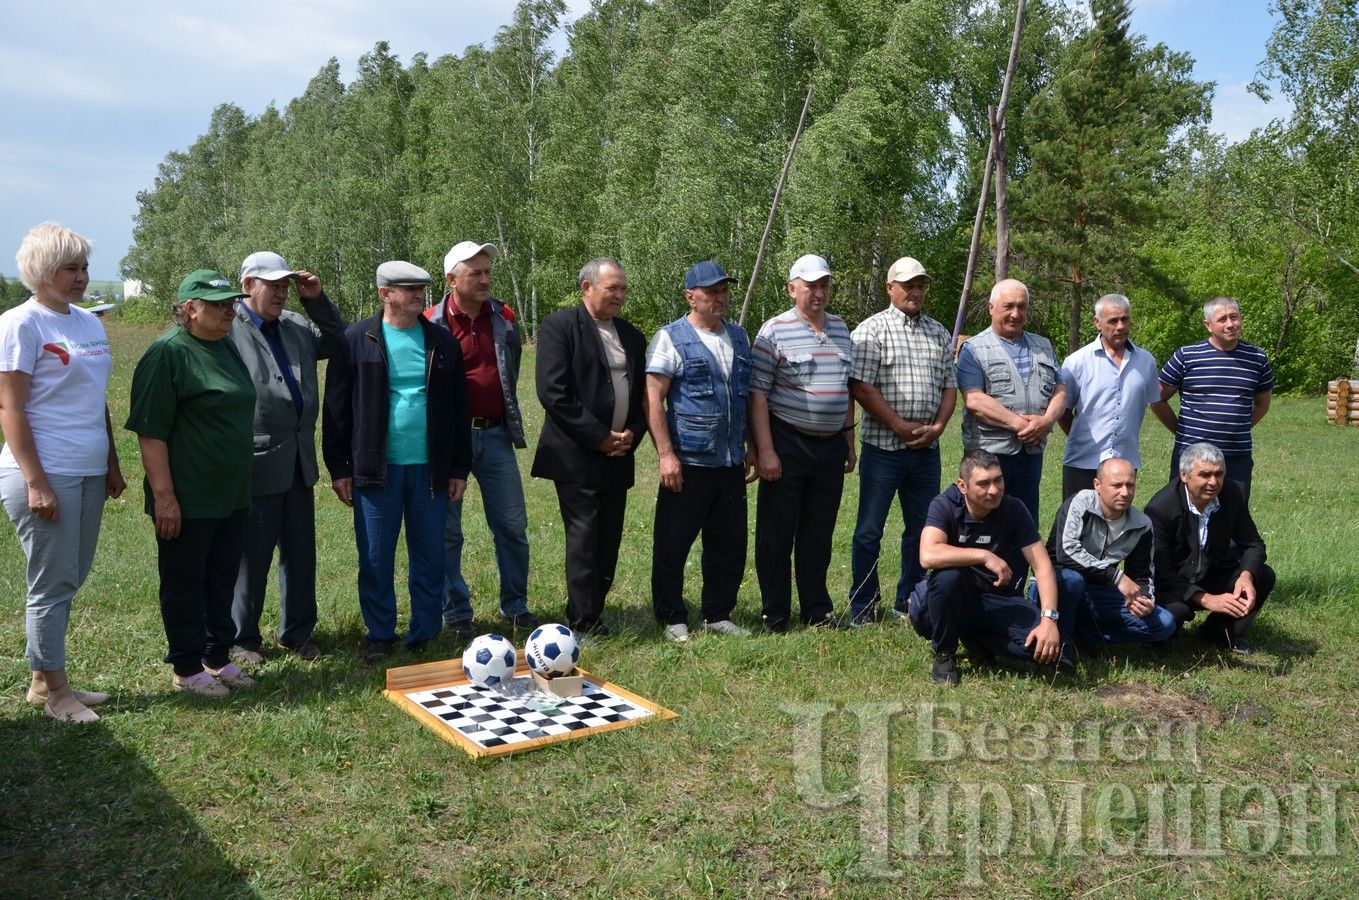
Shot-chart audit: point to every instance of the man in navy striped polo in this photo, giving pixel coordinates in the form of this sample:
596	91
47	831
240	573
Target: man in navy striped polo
1225	385
802	420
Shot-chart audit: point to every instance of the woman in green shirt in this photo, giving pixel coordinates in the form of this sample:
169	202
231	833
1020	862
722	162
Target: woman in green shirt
193	407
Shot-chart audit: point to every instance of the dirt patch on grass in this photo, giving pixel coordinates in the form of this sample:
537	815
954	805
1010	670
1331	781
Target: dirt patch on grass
1147	702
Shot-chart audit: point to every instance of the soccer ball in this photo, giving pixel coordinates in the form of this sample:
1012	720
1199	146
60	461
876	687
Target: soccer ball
489	661
552	650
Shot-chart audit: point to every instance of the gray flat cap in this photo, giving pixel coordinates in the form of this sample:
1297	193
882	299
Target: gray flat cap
398	271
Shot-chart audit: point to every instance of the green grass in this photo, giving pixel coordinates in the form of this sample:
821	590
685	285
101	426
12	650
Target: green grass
313	785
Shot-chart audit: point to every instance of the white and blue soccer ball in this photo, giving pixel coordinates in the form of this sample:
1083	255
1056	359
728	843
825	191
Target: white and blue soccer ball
489	661
551	650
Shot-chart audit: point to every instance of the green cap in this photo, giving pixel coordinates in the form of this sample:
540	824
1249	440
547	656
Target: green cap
205	284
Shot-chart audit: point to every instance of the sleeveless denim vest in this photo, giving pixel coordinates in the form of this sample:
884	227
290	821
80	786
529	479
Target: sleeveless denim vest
707	411
1004	385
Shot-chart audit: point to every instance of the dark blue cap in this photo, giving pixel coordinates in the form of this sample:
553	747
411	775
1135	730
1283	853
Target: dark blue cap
705	274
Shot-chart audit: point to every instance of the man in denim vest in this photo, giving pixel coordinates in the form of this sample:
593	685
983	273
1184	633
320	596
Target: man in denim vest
698	372
1011	393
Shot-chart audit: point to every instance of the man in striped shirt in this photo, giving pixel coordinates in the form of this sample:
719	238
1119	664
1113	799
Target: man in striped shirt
802	420
1225	385
903	378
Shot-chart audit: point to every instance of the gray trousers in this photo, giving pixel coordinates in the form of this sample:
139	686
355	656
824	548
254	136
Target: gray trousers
286	521
59	556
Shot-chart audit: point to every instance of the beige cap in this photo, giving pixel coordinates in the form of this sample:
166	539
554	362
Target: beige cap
906	269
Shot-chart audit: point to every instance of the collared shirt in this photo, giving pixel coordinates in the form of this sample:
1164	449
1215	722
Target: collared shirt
910	362
475	338
1109	402
805	374
1217	393
274	338
1203	517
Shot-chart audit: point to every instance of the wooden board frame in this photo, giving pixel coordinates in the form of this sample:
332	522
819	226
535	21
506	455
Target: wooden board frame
448	673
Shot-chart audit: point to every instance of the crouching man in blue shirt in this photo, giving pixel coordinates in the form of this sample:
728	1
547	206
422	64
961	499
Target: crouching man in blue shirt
974	539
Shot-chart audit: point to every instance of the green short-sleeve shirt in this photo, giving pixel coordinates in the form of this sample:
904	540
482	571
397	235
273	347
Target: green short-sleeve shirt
197	396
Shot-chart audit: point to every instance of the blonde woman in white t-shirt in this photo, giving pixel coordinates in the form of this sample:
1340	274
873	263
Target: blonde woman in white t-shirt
58	462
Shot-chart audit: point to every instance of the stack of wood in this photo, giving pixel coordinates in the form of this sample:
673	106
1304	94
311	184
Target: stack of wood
1342	401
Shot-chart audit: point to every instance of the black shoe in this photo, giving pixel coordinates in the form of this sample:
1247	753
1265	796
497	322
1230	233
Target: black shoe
830	623
463	628
945	669
376	651
524	621
306	650
778	627
598	629
1241	648
1065	666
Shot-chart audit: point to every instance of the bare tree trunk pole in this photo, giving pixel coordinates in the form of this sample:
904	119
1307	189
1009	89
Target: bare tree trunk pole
774	206
986	176
1002	198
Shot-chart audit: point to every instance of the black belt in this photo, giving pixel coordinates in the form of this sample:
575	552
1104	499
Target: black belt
481	423
806	434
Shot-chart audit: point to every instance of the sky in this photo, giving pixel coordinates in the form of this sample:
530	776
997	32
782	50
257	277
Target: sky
95	94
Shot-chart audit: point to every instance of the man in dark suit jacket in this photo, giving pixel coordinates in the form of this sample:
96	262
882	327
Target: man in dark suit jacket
590	381
280	348
1208	554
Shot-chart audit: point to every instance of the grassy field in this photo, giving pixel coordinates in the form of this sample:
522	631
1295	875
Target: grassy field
807	764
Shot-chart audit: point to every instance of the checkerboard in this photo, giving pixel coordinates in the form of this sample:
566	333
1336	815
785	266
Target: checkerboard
491	722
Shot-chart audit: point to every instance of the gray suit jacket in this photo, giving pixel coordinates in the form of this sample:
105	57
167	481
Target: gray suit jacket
284	440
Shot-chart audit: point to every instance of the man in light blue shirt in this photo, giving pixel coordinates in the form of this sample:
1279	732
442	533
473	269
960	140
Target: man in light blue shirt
1109	384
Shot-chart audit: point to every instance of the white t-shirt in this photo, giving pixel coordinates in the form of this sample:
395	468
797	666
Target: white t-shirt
663	358
68	358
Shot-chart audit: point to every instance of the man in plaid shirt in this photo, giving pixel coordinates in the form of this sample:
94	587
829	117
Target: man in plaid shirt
903	377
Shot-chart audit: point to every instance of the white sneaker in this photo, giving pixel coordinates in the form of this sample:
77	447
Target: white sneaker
678	632
726	626
201	683
230	675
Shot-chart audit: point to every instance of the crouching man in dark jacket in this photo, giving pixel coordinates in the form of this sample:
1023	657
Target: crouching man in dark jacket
1208	553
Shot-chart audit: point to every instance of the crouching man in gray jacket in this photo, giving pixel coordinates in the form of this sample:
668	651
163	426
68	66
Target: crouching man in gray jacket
1101	545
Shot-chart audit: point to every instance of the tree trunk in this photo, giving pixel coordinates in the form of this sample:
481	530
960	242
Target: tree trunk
1002	198
1073	335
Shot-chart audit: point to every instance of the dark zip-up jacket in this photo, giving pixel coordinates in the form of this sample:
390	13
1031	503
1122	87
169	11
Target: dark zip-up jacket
358	403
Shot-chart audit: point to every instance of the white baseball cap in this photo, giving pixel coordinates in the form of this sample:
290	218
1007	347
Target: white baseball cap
265	265
809	268
465	250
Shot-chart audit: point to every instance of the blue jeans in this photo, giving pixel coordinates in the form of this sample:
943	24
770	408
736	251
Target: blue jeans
911	476
1102	615
378	513
502	498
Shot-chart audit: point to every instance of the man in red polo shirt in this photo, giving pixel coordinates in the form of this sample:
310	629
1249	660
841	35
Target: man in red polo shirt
491	348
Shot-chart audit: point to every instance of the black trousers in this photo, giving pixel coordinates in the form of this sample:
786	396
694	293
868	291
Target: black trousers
796	515
286	521
1074	481
712	503
593	519
1220	627
197	575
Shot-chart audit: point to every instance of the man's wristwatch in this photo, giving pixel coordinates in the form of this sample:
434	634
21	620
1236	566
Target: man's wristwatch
1052	614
